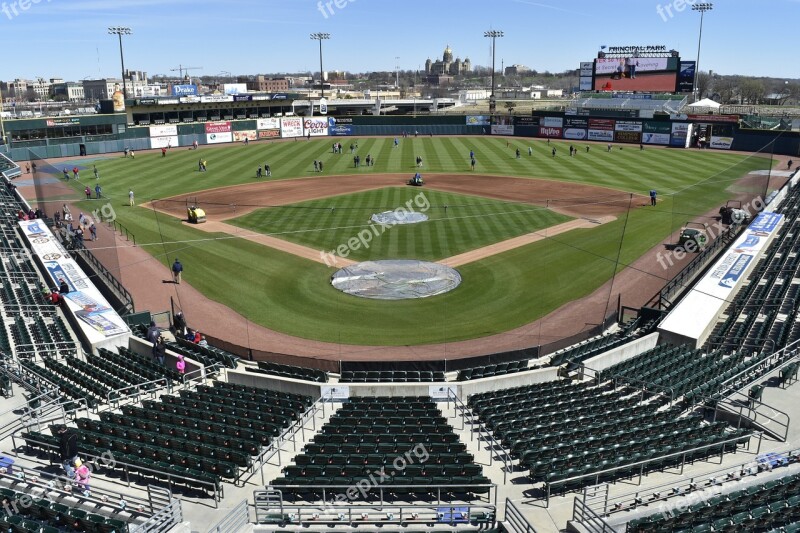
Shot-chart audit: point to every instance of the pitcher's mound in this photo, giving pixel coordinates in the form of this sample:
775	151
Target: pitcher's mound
400	279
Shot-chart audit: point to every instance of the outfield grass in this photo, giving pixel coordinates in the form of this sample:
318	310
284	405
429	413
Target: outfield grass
294	296
466	223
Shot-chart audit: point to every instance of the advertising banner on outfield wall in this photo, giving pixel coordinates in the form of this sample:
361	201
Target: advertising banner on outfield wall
218	127
576	134
576	123
164	131
600	135
268	124
628	125
655	138
601	124
502	126
219	138
340	130
721	143
250	135
628	136
526	121
269	134
165	142
552	122
552	133
680	134
291	127
316	127
657	127
478	120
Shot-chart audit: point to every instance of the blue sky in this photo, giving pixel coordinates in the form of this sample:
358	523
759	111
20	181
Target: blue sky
68	38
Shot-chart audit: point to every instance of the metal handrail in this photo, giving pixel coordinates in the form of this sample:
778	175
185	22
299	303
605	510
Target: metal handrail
162	521
42	480
329	489
642	464
122	230
287	434
633	381
752	405
190	379
343	514
115	283
734	384
114	397
515	521
216	489
590	520
234	521
28	372
484	433
696	264
665	491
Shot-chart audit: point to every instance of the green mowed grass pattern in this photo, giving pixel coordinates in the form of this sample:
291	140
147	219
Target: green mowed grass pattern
681	172
294	296
457	223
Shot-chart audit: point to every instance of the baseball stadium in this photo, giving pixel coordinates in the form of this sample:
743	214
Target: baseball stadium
436	323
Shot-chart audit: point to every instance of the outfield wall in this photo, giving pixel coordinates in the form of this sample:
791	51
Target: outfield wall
609	128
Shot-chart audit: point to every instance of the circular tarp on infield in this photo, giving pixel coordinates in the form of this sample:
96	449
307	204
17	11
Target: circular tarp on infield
398	279
398	217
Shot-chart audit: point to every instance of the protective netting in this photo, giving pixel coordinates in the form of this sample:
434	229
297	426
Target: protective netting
398	217
396	279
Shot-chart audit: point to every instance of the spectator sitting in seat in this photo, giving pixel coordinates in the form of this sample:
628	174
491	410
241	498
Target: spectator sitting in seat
197	337
54	297
189	334
203	342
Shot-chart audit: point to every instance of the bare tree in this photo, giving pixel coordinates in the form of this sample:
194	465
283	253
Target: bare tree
703	84
752	90
727	88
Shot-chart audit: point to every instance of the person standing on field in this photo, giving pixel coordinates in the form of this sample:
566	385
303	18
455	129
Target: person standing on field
130	198
177	270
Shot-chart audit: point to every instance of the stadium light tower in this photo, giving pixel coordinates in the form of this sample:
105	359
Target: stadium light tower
493	34
321	37
120	31
702	8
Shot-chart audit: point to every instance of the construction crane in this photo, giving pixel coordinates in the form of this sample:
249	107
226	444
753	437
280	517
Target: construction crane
180	70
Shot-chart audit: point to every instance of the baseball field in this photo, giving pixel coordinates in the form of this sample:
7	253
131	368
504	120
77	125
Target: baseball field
528	234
